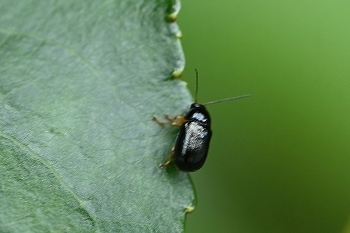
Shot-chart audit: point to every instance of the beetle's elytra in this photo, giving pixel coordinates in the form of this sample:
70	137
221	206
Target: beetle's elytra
192	141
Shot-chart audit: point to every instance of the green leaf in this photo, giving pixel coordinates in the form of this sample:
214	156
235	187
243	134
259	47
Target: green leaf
79	84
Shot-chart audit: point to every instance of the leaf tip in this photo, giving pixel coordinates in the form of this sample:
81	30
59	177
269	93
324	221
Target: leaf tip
178	35
172	17
177	73
189	209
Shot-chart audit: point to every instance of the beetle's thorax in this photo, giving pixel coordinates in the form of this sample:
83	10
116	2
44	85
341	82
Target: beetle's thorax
198	113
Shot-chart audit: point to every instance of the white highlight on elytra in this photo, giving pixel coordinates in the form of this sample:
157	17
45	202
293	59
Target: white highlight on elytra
195	132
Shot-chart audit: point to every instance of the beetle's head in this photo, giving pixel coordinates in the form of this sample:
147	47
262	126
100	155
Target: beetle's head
196	105
198	112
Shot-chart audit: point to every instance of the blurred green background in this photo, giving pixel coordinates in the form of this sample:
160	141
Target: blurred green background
280	160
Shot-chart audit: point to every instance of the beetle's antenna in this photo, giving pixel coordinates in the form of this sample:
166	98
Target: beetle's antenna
196	94
228	99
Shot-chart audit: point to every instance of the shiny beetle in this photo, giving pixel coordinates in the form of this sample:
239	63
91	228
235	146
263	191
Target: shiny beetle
192	141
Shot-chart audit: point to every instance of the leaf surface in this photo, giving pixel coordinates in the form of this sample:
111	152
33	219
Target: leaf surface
79	84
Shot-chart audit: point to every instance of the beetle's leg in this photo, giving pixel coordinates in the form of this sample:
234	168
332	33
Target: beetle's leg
174	121
177	120
161	122
163	165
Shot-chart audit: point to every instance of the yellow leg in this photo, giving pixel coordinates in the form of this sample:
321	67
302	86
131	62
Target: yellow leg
177	120
160	122
169	118
174	121
166	163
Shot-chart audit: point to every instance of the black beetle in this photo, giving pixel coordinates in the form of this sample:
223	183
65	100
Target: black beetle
192	141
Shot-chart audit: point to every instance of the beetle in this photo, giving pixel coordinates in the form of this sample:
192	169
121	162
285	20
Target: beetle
192	141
